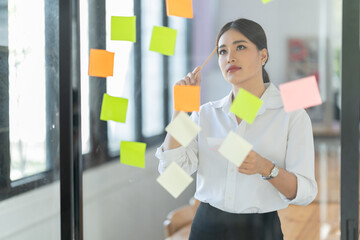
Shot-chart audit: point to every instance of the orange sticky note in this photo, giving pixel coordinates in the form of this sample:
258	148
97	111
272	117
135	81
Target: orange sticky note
187	98
301	93
101	63
179	8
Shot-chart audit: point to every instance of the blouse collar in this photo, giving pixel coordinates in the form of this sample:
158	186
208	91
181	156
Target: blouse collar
271	100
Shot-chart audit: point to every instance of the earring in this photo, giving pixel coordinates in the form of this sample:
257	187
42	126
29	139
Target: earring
263	63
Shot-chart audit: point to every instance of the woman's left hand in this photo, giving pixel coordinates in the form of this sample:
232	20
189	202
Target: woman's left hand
254	163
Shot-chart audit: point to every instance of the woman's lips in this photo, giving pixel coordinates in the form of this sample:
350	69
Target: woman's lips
233	69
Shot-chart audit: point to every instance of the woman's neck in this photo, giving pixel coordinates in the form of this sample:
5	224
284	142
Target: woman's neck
256	88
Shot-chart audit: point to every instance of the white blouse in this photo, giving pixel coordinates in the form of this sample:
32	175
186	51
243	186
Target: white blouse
285	138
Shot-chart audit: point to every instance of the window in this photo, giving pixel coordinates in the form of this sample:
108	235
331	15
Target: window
29	98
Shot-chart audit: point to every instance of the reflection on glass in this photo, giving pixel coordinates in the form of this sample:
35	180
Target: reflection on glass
27	88
152	72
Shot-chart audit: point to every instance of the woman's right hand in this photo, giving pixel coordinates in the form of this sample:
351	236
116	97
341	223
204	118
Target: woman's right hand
192	78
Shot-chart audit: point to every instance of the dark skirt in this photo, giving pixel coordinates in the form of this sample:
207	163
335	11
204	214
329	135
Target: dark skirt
214	224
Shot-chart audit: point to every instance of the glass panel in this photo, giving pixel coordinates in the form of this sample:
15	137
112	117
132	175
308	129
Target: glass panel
304	38
29	120
120	199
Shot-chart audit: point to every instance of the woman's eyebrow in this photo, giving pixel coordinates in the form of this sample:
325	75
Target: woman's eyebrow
239	41
235	42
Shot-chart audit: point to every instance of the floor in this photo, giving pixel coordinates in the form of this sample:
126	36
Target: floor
321	219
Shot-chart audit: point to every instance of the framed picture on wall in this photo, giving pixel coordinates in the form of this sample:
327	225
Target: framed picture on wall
303	61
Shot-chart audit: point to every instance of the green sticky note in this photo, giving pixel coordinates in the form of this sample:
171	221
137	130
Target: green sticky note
133	153
163	40
266	1
246	105
113	108
123	28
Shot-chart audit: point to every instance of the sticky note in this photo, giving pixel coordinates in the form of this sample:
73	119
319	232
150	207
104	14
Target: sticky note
183	129
266	1
179	8
163	40
123	28
187	98
246	105
113	108
174	179
235	148
101	63
301	93
133	153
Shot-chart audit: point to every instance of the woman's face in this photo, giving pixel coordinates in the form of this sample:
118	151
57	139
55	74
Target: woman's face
239	59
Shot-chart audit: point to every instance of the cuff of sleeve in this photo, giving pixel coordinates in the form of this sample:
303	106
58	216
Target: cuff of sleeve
305	192
168	156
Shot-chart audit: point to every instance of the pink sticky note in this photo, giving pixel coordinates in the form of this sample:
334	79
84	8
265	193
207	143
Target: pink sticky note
301	93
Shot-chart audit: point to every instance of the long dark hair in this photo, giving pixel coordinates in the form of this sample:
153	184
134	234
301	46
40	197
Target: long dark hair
253	31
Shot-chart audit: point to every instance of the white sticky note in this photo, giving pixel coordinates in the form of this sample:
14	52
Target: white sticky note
183	129
174	179
235	148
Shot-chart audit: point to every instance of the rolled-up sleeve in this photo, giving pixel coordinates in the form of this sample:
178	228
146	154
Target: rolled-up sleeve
185	157
300	159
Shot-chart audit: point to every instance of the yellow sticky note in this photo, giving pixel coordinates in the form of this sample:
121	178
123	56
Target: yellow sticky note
101	63
235	148
174	179
266	1
183	129
133	153
246	105
123	28
179	8
163	40
113	108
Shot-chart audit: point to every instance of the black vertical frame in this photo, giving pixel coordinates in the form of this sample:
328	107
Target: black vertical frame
350	104
166	87
66	121
77	150
4	123
4	118
70	121
138	73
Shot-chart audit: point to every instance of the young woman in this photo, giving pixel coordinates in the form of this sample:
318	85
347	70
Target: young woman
242	202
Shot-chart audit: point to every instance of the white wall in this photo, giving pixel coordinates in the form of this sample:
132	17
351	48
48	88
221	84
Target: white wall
120	202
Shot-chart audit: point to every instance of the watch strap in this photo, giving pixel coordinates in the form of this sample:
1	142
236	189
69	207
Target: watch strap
274	172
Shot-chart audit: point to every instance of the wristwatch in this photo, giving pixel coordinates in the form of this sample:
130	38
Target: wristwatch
274	172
